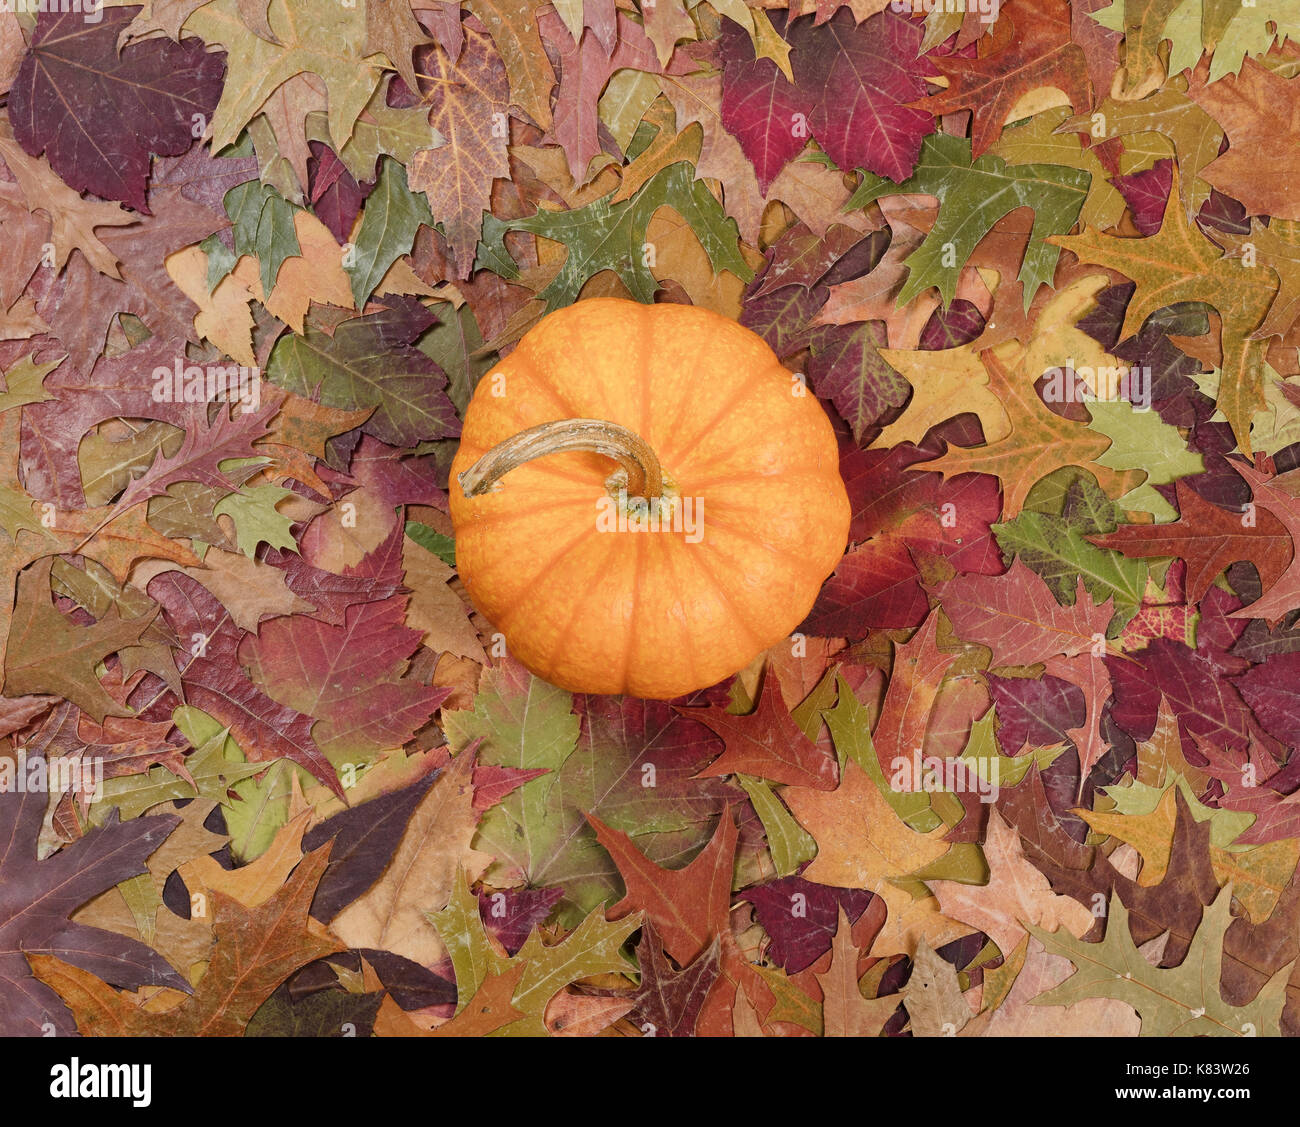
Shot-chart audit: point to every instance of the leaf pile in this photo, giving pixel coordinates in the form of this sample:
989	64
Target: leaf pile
1029	767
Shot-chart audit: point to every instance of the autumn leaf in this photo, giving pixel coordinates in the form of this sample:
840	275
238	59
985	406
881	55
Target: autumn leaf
76	99
255	951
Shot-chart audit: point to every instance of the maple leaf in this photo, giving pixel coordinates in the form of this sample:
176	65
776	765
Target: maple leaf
457	177
1209	538
350	678
392	30
308	39
1017	893
801	938
585	68
510	915
81	102
1252	107
1017	617
255	950
47	653
596	763
370	362
851	82
1039	443
1270	495
512	24
1031	46
609	236
975	191
862	843
670	1000
1205	702
214	682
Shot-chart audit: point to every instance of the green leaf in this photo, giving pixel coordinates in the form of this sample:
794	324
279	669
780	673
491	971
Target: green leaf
1181	1001
1055	547
972	198
850	728
593	948
253	509
1003	770
369	361
210	765
453	344
789	843
392	216
221	260
1134	799
261	805
444	547
1036	141
398	133
23	383
262	226
1142	440
539	834
624	103
605	236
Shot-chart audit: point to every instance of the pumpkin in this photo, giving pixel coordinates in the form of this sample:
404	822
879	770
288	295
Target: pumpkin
644	499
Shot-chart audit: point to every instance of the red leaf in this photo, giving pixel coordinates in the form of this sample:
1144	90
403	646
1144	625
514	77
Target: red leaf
214	681
1209	539
1030	47
98	113
766	743
1019	619
852	83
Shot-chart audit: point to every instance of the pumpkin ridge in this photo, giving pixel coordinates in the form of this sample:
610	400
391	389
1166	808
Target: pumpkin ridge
687	648
698	559
638	572
530	590
566	631
754	538
752	475
682	453
539	376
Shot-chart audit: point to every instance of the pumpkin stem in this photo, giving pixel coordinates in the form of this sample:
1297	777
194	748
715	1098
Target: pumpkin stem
598	436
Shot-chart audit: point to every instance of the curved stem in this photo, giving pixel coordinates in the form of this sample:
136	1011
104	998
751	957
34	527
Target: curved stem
597	436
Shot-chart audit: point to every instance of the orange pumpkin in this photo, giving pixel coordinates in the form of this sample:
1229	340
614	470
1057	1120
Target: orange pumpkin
672	505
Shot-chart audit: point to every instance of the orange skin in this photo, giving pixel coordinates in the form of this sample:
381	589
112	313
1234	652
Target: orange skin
649	614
